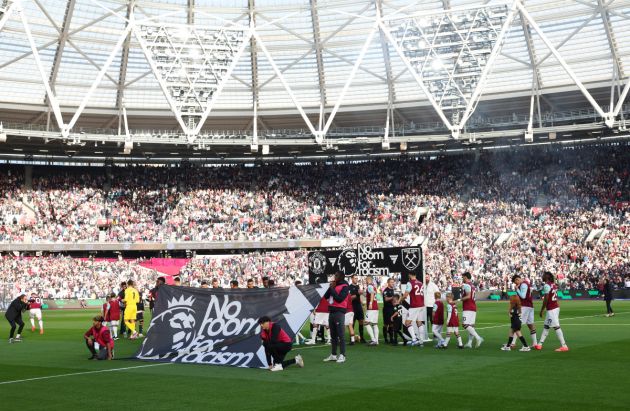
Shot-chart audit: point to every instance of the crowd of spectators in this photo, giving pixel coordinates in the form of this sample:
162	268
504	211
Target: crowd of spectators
545	202
59	277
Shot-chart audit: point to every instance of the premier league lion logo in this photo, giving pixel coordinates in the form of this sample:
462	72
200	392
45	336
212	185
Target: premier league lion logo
178	321
347	262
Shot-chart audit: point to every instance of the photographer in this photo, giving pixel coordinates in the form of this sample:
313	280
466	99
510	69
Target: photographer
14	317
99	341
336	295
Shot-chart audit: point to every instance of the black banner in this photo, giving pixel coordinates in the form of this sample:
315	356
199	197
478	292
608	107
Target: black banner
220	327
364	261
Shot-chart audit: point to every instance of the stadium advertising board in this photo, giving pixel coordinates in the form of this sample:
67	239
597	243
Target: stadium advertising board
363	261
220	326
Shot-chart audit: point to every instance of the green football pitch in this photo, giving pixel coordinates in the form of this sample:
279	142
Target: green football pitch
51	372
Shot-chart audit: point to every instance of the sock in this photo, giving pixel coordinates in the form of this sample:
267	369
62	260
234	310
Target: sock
421	332
459	340
385	333
446	340
392	334
361	332
327	332
352	338
130	326
510	339
543	337
533	335
115	332
314	333
438	336
41	324
32	322
522	339
370	332
412	332
416	331
560	336
376	333
140	328
472	332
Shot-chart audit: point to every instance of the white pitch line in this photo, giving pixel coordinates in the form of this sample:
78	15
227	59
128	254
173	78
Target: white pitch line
596	325
561	319
83	373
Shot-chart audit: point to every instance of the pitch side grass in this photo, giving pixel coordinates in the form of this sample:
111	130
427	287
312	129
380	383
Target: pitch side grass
51	372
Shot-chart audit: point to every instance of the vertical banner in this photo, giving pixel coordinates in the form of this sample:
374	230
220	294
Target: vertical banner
220	327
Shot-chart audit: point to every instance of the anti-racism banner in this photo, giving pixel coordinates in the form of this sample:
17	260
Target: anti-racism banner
220	327
364	261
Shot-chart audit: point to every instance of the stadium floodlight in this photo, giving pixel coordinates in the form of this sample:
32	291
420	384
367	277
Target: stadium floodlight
128	147
192	65
529	136
450	54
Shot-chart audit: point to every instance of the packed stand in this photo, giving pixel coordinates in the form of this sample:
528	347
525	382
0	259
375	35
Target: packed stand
546	201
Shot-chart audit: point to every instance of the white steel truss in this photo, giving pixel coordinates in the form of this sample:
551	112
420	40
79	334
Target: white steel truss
6	7
192	65
450	55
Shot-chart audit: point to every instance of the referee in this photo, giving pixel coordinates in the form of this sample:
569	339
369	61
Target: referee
357	307
14	317
388	311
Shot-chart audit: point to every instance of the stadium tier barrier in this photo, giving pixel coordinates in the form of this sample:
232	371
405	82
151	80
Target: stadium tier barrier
178	245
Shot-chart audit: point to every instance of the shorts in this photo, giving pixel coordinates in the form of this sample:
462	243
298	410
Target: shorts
417	314
130	315
36	313
452	330
469	317
359	315
349	319
140	315
527	315
371	317
321	319
552	319
387	315
516	325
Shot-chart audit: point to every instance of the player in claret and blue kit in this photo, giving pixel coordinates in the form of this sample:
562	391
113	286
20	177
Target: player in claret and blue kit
452	322
552	319
35	311
438	320
417	311
469	308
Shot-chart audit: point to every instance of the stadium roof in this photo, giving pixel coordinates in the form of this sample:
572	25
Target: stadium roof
321	68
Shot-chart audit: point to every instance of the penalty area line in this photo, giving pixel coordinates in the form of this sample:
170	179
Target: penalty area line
82	373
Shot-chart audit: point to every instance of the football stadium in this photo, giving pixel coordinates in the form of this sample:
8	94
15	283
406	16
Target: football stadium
314	204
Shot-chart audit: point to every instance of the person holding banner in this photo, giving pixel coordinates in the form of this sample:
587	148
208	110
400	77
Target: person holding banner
277	345
337	295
